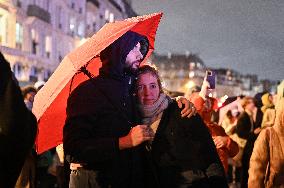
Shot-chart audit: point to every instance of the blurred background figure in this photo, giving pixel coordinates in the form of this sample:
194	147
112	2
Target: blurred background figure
247	131
268	110
29	93
230	121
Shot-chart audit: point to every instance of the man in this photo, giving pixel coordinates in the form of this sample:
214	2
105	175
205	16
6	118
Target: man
102	136
17	127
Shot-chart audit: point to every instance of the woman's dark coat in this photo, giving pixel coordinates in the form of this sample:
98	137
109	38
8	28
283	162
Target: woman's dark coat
184	154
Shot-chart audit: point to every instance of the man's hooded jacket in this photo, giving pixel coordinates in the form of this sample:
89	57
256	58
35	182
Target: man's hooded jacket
17	127
101	110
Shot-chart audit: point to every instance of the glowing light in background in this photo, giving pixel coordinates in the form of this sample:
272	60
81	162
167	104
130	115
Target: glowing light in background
190	84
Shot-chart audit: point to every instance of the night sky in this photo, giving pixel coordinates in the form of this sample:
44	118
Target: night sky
245	35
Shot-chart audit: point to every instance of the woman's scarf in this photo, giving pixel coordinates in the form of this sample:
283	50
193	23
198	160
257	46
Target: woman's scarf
150	113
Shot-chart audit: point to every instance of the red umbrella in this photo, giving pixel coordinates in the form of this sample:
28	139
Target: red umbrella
51	101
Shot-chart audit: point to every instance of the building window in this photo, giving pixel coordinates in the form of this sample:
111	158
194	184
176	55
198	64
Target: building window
59	17
72	26
34	46
81	29
19	35
48	44
80	10
59	57
18	70
106	14
33	74
111	17
47	74
94	27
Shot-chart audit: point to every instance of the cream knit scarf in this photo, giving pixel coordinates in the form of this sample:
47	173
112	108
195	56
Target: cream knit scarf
150	113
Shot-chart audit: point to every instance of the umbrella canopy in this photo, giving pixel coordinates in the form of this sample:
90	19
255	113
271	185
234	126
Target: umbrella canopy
50	102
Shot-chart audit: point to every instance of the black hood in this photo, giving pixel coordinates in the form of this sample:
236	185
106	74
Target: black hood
113	57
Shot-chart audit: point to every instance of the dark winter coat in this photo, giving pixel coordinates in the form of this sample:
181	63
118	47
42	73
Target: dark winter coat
18	127
99	112
184	154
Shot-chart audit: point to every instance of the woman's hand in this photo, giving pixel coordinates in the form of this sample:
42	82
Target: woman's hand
188	110
136	136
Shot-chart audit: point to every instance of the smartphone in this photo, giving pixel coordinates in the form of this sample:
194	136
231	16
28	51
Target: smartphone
211	78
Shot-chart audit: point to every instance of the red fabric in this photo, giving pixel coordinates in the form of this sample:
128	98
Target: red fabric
51	101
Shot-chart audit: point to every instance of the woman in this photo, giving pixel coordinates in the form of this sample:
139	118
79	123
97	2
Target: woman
267	160
182	152
226	147
268	110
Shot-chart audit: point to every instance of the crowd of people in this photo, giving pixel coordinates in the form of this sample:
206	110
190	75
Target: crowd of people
123	130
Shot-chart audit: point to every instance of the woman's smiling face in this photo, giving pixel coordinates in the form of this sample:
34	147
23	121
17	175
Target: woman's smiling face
148	90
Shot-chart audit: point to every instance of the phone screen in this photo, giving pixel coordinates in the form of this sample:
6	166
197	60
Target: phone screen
211	78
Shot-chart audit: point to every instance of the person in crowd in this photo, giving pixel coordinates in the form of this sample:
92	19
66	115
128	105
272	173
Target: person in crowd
267	160
18	127
268	110
258	114
247	133
183	152
230	121
102	130
29	93
226	147
27	178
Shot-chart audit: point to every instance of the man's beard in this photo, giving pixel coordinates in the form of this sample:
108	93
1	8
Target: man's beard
130	69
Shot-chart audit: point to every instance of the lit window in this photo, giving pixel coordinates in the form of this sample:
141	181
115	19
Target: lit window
111	17
34	36
106	14
81	29
72	25
191	74
48	45
19	35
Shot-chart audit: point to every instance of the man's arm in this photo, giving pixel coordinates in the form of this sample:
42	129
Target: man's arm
81	144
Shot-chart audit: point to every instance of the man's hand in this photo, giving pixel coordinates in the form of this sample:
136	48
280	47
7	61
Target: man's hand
221	141
136	136
188	110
